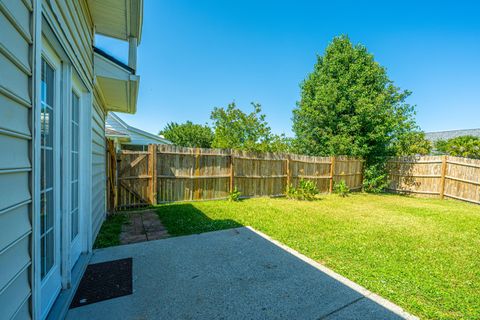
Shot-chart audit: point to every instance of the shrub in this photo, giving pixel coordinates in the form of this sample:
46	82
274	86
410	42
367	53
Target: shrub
464	146
341	188
375	178
306	190
234	195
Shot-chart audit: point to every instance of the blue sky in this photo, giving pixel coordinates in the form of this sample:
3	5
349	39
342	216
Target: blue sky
196	55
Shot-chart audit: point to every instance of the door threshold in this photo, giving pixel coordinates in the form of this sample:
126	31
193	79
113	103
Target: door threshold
62	304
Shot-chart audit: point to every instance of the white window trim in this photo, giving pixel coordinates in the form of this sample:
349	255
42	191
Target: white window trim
48	54
66	103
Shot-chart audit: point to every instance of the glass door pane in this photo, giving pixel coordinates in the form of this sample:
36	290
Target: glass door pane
47	208
74	152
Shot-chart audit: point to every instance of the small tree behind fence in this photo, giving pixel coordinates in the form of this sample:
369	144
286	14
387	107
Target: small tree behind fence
169	173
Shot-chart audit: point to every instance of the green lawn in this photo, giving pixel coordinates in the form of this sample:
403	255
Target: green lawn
109	234
422	254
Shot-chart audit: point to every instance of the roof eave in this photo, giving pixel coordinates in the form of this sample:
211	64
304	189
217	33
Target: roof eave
117	84
118	19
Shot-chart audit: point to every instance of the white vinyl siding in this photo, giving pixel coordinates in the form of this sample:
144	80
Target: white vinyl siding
72	25
98	170
15	164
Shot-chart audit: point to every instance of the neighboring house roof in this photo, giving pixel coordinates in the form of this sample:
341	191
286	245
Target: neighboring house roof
110	132
445	135
117	128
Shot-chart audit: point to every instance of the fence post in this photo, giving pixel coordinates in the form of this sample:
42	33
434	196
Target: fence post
152	168
196	182
442	178
332	172
289	179
232	173
362	172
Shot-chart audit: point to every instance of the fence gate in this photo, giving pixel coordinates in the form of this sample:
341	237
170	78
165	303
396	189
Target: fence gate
111	176
134	179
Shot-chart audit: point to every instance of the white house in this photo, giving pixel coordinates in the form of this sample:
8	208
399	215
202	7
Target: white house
55	92
127	137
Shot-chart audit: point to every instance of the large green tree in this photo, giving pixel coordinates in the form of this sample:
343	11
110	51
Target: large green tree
236	129
349	106
188	134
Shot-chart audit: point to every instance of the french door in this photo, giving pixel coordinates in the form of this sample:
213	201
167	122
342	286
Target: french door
62	121
50	211
74	179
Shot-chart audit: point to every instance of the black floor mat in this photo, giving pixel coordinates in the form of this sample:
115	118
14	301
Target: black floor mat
103	281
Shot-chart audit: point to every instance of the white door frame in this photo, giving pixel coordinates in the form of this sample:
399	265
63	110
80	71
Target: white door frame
78	245
50	286
66	104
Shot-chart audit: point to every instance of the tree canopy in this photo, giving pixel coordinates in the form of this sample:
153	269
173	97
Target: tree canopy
349	106
464	146
188	134
235	129
411	143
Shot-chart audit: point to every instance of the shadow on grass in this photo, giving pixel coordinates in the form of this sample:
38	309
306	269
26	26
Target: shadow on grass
184	219
110	231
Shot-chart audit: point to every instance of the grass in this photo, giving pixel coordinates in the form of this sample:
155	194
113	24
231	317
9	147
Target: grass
110	232
422	254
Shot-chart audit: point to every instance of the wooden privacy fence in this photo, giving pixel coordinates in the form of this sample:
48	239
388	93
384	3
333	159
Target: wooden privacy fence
168	173
437	176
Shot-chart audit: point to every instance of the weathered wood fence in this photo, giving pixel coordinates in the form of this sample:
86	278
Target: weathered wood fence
168	173
436	176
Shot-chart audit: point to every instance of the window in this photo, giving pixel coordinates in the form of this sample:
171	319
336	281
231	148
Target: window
74	153
47	213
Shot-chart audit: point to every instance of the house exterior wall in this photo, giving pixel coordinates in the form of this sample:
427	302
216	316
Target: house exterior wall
98	169
72	27
16	100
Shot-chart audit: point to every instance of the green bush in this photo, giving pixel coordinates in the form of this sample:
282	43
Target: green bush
341	188
306	190
464	146
234	195
375	178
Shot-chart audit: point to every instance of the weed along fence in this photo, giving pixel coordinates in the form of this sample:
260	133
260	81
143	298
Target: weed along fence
437	176
168	173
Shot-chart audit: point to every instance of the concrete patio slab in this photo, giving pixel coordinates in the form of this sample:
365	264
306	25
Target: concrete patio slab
232	274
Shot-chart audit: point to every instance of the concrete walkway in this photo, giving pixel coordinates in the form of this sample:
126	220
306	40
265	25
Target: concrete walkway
143	226
232	274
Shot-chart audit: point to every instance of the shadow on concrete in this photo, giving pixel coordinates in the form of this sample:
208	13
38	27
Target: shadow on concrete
231	274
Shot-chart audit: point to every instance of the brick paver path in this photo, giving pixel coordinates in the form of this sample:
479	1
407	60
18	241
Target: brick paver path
143	226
